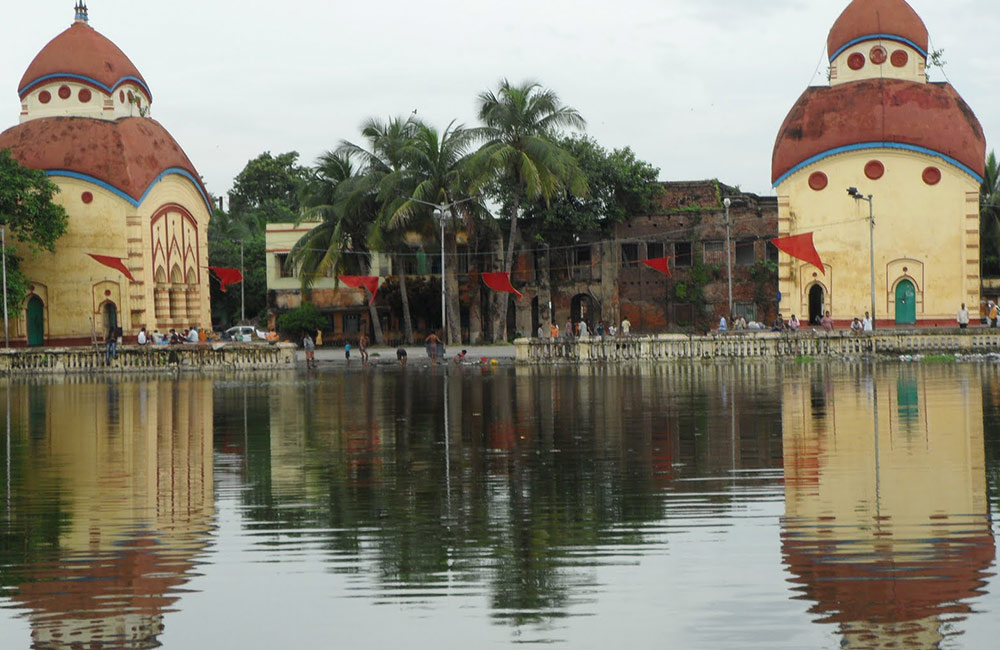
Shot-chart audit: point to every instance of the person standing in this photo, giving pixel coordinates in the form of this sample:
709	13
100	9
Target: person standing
432	347
363	346
626	326
963	317
994	313
554	331
142	339
866	323
568	330
310	348
111	343
827	322
722	324
584	332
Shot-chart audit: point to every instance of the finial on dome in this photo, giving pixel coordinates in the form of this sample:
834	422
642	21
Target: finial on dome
81	12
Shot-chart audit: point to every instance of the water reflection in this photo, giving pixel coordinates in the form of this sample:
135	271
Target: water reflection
108	503
523	485
887	529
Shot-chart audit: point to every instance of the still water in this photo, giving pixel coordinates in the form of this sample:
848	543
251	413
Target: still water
682	506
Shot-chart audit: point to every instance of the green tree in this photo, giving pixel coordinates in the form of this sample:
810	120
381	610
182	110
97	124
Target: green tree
387	183
31	218
268	189
989	218
521	154
226	232
303	319
435	163
521	159
338	245
620	186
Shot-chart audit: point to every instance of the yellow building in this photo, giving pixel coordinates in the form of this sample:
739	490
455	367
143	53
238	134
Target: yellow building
346	308
887	529
915	148
130	192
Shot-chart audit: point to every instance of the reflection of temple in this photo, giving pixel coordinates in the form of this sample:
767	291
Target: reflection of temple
887	522
126	471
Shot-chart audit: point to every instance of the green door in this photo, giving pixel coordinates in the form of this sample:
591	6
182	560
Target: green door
906	303
36	322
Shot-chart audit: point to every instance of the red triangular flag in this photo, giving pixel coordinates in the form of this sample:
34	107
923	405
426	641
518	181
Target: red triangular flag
227	276
660	264
369	282
500	282
801	247
115	263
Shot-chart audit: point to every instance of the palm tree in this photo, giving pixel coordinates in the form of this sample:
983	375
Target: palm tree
338	245
520	150
989	216
435	163
386	181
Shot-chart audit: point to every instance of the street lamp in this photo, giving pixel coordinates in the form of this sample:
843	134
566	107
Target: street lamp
858	196
729	259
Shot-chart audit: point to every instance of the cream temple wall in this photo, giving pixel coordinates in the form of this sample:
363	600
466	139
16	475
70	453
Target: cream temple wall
926	234
129	191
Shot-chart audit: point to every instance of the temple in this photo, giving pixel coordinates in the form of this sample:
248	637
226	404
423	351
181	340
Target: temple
131	193
914	153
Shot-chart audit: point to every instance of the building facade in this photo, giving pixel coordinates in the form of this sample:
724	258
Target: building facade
129	189
598	279
914	153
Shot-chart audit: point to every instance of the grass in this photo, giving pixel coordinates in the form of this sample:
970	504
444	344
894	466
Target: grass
804	359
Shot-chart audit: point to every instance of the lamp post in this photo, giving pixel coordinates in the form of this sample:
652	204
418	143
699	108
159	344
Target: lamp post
729	259
858	196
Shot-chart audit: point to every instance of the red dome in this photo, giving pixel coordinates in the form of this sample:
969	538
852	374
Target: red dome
128	155
82	54
881	113
869	19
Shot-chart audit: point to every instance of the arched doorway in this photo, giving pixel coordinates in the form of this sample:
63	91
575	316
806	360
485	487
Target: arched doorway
582	308
535	317
815	304
110	313
906	303
36	321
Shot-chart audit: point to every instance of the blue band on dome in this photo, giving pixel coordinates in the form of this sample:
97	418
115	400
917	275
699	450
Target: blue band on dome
873	37
79	77
135	202
877	145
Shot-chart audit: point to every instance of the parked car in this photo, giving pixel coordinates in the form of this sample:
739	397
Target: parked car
241	334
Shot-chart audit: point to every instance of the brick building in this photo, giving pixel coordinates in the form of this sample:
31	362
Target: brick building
605	280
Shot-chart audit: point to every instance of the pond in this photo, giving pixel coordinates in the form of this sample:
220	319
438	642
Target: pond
687	505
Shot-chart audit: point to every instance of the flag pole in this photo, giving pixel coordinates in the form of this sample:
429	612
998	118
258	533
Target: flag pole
3	245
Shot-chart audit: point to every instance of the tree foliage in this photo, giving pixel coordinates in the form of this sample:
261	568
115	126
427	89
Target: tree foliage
31	217
301	320
268	188
989	217
620	186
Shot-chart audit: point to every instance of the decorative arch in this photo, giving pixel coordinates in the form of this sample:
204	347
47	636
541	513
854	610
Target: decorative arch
900	270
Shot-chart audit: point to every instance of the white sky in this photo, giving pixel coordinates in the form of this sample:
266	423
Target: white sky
696	87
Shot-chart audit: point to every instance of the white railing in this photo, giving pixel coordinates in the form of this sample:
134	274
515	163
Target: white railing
758	345
148	358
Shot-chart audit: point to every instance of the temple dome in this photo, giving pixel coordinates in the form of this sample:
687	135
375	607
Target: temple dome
84	55
877	19
126	156
879	113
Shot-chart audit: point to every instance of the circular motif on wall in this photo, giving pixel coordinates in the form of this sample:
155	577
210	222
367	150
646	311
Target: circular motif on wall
900	58
818	181
874	170
45	97
856	61
64	92
87	197
932	175
878	55
84	95
107	292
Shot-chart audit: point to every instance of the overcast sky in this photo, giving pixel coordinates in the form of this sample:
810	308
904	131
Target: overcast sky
696	87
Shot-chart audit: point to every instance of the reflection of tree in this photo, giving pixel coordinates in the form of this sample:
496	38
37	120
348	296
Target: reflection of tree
547	468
